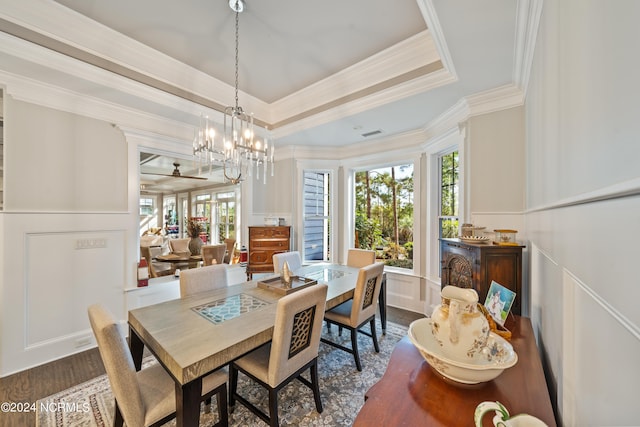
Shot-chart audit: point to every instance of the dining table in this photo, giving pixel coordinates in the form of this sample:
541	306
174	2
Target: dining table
196	335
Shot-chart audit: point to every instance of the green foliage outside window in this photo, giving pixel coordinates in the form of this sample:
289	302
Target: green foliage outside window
449	176
384	213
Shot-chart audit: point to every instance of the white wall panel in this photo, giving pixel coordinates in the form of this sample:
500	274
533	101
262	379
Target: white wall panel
601	354
404	291
65	273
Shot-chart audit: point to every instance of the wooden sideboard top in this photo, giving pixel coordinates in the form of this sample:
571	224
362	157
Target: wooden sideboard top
410	393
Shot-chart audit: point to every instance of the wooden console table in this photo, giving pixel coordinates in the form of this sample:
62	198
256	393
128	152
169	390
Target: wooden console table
411	393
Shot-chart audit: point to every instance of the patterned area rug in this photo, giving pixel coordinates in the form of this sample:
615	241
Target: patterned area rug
342	388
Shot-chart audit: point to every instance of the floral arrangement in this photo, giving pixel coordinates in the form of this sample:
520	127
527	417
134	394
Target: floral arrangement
194	229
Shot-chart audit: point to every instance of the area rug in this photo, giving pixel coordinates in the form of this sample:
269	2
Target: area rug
342	387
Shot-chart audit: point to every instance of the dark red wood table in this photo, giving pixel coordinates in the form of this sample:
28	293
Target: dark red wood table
410	393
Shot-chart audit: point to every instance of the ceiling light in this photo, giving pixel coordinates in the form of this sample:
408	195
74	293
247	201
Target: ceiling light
240	151
236	5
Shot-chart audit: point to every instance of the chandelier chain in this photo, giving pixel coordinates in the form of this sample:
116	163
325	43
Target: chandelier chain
237	32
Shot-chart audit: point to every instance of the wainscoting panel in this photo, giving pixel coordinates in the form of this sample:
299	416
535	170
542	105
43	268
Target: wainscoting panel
404	291
601	353
65	272
160	289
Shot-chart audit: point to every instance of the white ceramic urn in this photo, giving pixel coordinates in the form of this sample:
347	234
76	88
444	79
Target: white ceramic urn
459	326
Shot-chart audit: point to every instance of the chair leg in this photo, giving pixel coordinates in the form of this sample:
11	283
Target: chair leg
316	386
373	335
233	386
273	407
118	421
354	346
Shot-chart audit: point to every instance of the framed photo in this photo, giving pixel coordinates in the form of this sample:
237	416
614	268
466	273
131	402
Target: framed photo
499	301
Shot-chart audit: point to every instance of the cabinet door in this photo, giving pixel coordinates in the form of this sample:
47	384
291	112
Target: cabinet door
504	267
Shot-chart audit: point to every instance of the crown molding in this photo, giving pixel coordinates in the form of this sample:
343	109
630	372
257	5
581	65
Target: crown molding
43	57
529	13
405	145
496	99
50	96
433	24
427	82
56	27
414	53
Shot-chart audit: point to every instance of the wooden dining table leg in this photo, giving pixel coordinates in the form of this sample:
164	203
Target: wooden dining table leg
188	403
136	346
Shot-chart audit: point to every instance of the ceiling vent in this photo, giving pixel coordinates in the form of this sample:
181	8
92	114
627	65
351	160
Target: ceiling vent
374	132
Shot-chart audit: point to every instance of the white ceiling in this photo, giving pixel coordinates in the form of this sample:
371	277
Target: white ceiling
318	73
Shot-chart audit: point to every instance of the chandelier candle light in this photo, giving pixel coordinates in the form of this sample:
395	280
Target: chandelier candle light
239	149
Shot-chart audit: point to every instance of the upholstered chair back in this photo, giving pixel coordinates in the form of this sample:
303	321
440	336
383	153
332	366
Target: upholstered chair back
211	253
179	246
366	294
118	363
202	279
231	247
293	259
296	334
360	257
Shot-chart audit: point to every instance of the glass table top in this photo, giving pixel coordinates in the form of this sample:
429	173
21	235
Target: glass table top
228	308
326	274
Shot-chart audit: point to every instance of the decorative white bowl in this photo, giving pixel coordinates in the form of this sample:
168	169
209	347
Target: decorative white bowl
487	365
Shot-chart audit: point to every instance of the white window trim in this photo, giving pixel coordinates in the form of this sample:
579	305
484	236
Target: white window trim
417	191
322	166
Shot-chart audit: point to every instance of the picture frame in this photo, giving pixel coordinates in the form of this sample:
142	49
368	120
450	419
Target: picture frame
499	301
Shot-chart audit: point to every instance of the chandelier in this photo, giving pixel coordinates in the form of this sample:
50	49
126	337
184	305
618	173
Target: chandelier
240	151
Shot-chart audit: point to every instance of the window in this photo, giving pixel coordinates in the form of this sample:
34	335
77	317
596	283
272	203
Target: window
202	215
146	206
170	215
226	215
317	219
449	174
384	213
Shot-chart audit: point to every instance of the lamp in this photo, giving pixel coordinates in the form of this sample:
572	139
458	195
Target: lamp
240	151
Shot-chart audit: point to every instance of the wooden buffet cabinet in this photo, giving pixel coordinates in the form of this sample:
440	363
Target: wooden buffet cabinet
475	265
264	242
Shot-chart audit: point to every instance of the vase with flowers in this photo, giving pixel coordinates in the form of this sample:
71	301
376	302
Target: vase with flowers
193	230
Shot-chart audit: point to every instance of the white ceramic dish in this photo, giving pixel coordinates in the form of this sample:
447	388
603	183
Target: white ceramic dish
485	366
476	239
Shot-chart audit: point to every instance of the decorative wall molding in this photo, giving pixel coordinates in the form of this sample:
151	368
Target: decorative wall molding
615	191
528	20
627	324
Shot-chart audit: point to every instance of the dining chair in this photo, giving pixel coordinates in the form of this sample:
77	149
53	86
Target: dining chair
360	257
211	253
156	269
147	397
293	259
231	245
179	246
293	350
203	279
361	309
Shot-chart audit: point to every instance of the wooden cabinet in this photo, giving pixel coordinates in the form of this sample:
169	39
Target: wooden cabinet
264	242
471	265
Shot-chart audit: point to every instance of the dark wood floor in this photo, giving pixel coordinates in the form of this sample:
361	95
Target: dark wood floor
42	381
